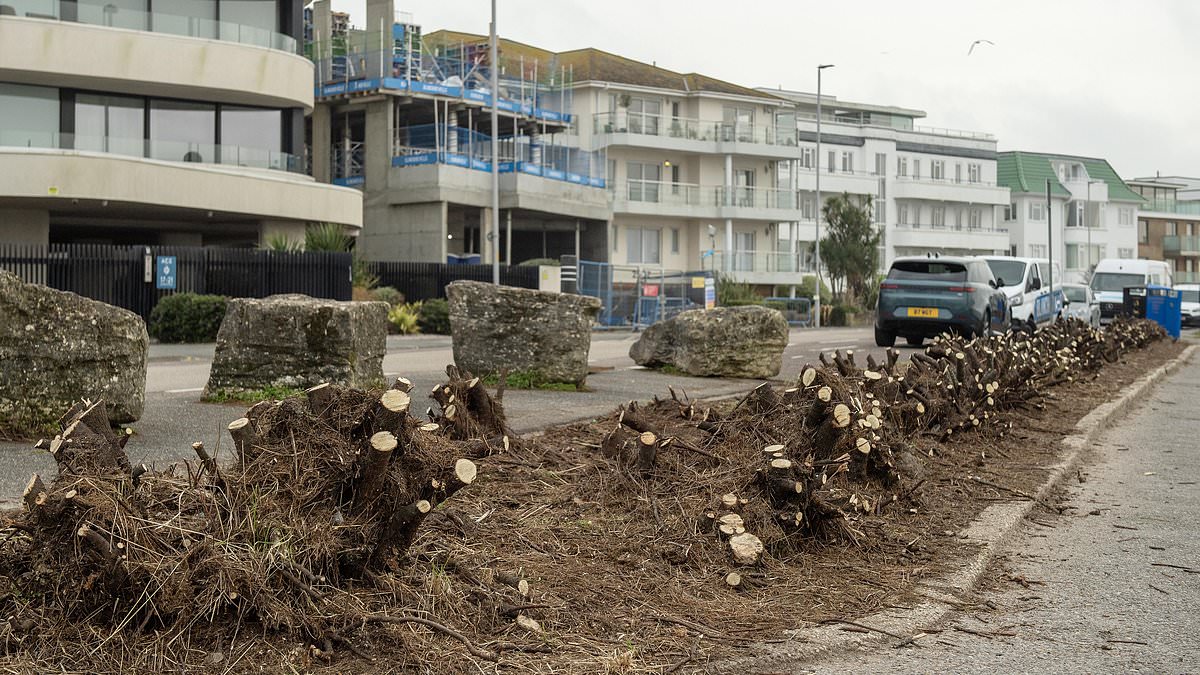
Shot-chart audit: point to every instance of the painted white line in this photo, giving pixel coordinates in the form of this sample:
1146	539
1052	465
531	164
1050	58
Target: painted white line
183	391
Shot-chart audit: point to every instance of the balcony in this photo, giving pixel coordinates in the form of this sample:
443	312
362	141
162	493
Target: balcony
1188	246
173	151
1171	206
949	190
761	267
949	238
690	200
112	16
695	135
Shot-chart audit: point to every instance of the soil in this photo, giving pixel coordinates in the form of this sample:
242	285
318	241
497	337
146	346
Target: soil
623	577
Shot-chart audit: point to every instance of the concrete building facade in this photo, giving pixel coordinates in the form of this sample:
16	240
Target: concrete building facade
1090	213
178	123
1169	223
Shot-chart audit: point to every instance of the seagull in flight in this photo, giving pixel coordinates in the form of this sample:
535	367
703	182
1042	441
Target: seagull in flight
972	48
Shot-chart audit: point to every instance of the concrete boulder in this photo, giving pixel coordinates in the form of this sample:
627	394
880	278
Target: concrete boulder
58	347
723	342
544	335
296	342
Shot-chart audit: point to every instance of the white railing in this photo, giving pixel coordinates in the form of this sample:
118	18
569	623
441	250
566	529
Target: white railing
930	180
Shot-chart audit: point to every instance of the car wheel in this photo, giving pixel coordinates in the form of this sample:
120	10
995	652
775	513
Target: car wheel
1030	326
915	341
883	338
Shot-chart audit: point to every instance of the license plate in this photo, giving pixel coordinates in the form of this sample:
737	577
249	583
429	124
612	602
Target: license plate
923	312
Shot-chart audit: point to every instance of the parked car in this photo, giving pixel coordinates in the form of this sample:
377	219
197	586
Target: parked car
1081	304
1026	282
924	297
1114	275
1190	303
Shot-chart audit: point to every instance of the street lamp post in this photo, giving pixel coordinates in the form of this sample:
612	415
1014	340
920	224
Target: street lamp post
817	159
1088	225
495	233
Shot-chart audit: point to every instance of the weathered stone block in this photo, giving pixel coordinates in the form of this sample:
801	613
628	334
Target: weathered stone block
498	328
58	347
298	342
722	342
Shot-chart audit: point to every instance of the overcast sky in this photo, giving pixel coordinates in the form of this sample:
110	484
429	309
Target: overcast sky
1099	78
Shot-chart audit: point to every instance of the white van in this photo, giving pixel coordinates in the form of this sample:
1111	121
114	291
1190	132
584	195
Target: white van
1026	282
1189	296
1114	275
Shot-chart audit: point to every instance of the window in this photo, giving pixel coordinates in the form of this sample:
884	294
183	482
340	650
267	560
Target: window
251	137
115	124
806	158
183	131
975	219
743	259
130	14
880	211
880	164
902	166
1010	212
1125	253
643	115
958	173
832	161
808	208
937	169
974	173
1037	250
240	15
642	245
1037	211
644	181
937	216
916	168
196	18
674	240
738	123
902	214
1143	232
28	116
743	184
1077	256
1172	229
848	162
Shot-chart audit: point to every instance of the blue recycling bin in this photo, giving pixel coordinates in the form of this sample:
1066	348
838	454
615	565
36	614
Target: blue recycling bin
1164	306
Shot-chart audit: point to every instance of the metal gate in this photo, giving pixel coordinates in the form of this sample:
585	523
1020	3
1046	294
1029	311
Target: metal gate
638	296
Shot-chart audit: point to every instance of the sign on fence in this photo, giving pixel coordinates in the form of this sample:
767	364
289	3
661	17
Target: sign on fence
165	271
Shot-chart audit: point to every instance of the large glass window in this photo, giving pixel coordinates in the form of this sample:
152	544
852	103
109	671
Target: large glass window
194	18
114	124
183	131
250	21
28	116
643	245
132	14
251	137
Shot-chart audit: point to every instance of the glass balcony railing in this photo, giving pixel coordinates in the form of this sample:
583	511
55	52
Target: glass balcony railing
692	129
761	261
691	194
1189	208
109	14
1176	244
174	151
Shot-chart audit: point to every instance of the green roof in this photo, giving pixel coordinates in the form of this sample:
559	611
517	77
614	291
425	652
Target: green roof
1029	171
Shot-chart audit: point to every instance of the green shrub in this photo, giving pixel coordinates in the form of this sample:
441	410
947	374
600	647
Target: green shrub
403	318
732	293
389	295
534	262
842	315
808	288
434	317
187	317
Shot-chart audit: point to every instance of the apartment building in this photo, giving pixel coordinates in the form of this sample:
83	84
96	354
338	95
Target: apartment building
405	117
1091	213
1168	223
173	123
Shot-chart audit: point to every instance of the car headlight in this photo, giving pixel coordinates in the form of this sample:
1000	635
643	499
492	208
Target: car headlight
1015	300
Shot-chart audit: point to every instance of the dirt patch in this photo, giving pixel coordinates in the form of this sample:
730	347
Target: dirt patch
624	569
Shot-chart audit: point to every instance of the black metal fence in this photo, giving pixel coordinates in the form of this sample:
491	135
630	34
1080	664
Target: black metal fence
425	281
125	276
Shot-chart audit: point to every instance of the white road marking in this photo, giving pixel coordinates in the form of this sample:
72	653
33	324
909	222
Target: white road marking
183	391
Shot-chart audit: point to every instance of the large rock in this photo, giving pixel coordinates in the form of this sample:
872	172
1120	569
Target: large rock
298	342
722	342
58	347
546	335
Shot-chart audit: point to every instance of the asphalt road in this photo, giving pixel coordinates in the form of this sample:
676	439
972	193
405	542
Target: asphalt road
1102	596
176	374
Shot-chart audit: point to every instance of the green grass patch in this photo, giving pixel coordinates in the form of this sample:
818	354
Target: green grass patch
268	393
530	379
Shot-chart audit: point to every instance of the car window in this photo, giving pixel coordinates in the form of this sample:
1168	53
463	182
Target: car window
1115	282
1076	293
927	270
1034	275
1011	272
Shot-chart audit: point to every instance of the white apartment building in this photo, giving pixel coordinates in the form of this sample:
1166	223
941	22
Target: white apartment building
180	123
1092	213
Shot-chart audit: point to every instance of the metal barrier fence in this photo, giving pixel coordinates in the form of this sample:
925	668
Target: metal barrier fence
637	296
425	281
126	276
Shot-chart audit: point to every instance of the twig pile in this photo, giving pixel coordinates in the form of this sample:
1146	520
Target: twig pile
300	534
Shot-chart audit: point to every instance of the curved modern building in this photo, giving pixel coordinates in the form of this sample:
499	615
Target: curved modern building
157	122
